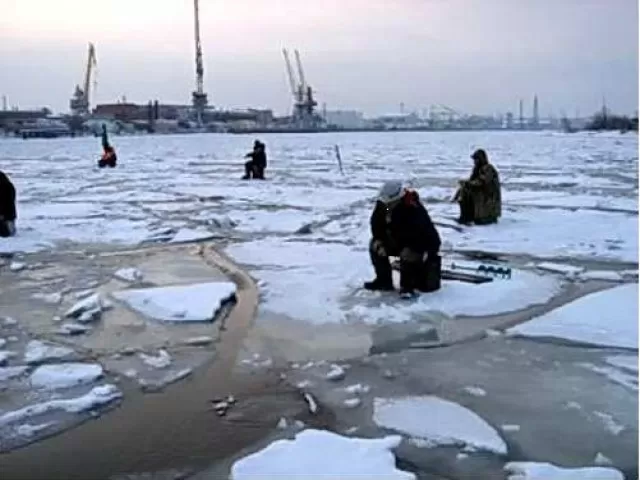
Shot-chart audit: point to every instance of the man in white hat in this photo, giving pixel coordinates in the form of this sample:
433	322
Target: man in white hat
401	227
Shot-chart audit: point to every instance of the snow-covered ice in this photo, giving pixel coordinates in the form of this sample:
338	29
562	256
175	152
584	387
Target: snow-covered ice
98	396
88	308
37	351
325	455
437	422
129	274
185	235
198	302
7	373
65	375
604	275
591	319
5	355
53	298
568	270
548	471
161	360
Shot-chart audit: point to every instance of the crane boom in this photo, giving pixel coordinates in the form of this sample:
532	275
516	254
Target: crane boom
199	66
91	63
303	82
292	80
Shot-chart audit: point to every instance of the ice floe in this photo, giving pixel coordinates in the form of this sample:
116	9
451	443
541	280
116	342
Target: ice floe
129	274
37	351
65	375
548	471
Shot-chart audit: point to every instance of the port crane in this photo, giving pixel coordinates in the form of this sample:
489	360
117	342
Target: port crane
304	103
79	103
198	97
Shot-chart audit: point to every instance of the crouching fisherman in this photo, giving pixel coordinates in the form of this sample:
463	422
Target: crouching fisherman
479	197
7	206
255	167
401	227
109	157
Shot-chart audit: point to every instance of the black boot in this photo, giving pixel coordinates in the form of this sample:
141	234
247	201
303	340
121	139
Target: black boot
409	281
382	266
379	285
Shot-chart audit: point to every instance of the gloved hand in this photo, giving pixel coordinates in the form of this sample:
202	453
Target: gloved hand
378	247
410	256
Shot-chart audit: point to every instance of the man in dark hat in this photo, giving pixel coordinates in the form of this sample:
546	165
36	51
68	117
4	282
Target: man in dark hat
255	167
401	227
479	197
7	206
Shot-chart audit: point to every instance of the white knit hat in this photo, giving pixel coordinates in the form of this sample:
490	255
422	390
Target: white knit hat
391	191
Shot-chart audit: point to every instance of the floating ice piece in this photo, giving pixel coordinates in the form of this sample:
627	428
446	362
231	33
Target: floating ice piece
37	352
185	235
199	302
17	266
438	421
72	329
282	424
630	274
610	423
304	384
3	342
65	375
9	321
548	471
336	373
129	274
602	459
313	406
7	373
568	270
352	402
5	355
87	308
475	391
326	454
510	428
53	298
29	430
198	341
168	379
98	396
81	294
605	275
591	319
162	360
357	388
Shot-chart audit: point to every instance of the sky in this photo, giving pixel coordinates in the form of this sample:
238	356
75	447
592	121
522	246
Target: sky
475	56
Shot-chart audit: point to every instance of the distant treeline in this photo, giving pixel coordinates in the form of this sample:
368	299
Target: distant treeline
607	121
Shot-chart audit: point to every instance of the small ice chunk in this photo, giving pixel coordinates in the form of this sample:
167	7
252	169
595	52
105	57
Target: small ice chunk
130	275
130	373
37	352
304	384
94	303
5	355
57	318
605	275
548	471
3	342
98	396
282	424
7	373
198	341
609	422
53	298
475	391
17	266
573	405
162	360
510	428
9	321
65	375
357	388
313	406
82	294
336	373
72	329
462	456
568	270
29	430
12	338
602	459
491	333
352	402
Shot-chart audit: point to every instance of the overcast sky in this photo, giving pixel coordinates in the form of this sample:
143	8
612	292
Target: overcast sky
372	55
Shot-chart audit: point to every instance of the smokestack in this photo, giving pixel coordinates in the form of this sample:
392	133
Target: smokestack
4	103
536	113
521	119
156	110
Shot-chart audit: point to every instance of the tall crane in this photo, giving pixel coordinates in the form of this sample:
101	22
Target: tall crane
199	98
79	103
303	102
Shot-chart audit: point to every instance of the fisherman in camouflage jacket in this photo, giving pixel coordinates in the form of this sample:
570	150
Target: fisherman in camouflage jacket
479	196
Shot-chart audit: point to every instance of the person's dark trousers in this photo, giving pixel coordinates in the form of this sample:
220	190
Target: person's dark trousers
466	207
258	172
411	269
381	266
4	229
248	169
431	274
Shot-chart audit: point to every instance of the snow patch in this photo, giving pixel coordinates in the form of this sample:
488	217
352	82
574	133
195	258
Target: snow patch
326	454
65	375
591	319
198	302
548	471
185	235
53	298
437	421
129	274
162	360
17	266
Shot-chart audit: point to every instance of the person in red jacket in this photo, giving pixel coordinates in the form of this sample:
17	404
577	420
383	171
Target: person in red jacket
109	157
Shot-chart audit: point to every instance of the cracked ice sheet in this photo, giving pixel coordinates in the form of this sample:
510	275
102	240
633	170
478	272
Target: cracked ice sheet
198	302
548	471
606	318
437	422
310	281
326	454
284	221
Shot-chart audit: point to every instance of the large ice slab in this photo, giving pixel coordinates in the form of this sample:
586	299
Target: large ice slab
37	351
198	302
325	455
65	375
547	471
607	318
437	422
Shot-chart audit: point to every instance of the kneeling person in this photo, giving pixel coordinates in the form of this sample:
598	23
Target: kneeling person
401	227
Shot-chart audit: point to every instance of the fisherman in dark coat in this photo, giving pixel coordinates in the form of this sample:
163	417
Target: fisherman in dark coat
109	157
255	167
401	227
479	197
7	206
